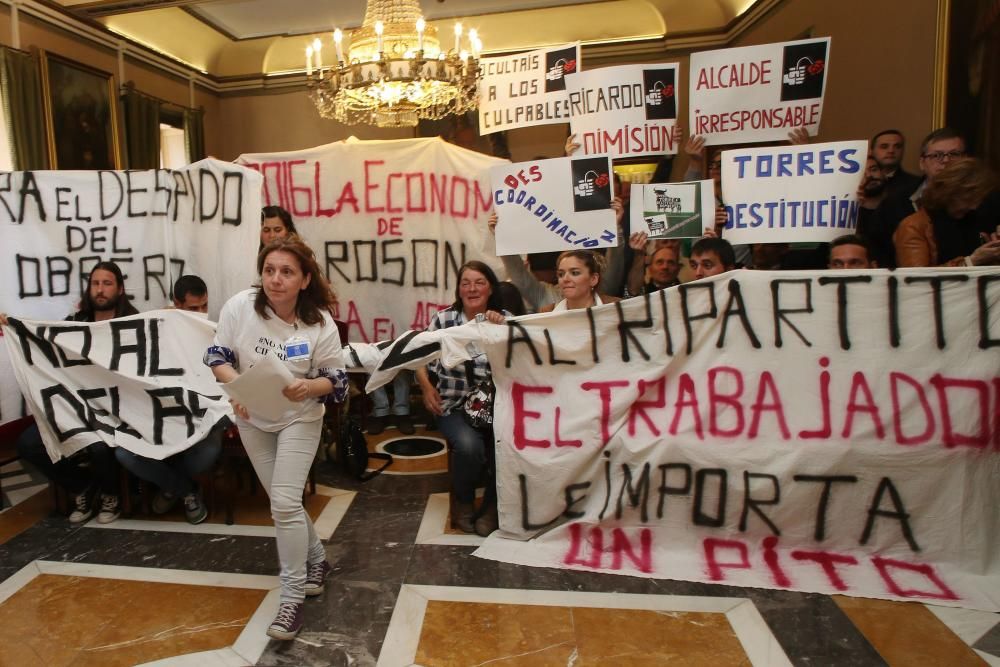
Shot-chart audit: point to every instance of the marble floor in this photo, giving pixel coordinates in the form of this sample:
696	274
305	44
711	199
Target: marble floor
406	590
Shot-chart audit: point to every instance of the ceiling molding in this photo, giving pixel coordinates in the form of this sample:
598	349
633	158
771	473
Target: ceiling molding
655	49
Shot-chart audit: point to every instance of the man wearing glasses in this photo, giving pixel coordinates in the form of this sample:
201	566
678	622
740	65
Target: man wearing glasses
938	149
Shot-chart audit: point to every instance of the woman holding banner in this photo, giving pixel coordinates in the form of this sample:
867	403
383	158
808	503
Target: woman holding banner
579	273
461	397
287	316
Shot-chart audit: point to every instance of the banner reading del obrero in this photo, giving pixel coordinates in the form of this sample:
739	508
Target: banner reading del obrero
526	89
758	93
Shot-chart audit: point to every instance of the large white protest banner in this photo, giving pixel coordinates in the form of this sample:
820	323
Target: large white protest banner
556	204
672	210
156	225
792	193
835	432
136	382
758	93
385	218
625	111
526	89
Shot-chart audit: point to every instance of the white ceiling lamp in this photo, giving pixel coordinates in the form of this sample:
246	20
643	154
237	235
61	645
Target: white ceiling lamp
396	71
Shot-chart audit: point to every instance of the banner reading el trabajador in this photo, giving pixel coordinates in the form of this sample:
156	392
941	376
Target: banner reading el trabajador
672	210
792	193
136	382
526	89
758	93
556	204
624	111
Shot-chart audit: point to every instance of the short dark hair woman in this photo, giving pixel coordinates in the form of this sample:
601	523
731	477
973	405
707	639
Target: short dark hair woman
477	294
275	223
287	316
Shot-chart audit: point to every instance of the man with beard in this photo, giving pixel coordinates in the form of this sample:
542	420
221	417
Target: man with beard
104	299
871	193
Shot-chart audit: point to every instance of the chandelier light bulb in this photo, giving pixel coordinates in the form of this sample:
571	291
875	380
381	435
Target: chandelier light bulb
379	29
318	50
338	38
420	33
458	37
309	61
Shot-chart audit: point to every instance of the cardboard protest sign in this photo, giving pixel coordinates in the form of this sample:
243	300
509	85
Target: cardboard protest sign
136	382
672	210
752	429
526	89
157	225
385	217
624	111
556	204
758	93
792	193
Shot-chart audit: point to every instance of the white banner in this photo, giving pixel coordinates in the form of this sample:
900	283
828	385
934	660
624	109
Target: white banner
792	193
673	210
556	204
834	432
156	225
625	111
758	93
385	218
136	382
526	89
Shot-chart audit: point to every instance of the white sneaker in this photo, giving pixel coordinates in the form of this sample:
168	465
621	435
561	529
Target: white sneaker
110	510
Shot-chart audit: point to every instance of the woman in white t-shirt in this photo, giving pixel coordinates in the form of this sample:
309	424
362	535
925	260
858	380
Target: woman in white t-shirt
286	316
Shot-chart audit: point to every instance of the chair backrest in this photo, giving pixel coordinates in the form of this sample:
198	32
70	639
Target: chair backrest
9	433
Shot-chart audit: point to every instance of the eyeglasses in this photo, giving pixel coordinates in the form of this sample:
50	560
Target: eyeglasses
939	156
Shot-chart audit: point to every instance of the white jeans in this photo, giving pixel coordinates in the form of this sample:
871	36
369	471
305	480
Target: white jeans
282	461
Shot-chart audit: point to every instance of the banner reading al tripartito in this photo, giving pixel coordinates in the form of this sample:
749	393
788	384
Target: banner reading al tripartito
786	194
135	382
758	93
825	432
555	204
157	225
526	89
624	111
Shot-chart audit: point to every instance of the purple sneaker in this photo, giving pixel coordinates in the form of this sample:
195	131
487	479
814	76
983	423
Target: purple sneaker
315	576
287	622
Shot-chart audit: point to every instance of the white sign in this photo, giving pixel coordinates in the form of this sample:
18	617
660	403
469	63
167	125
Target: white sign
792	193
136	382
758	93
625	111
526	89
385	218
156	225
673	210
756	429
556	204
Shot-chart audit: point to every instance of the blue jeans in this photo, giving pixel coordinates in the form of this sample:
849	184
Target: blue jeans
69	472
400	396
471	452
175	474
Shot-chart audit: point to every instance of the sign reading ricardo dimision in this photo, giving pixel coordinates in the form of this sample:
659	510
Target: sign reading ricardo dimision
758	93
625	111
526	89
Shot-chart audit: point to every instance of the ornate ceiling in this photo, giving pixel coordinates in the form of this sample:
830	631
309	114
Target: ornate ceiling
249	39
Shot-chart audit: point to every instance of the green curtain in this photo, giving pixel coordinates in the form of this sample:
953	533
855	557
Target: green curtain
21	90
142	129
194	134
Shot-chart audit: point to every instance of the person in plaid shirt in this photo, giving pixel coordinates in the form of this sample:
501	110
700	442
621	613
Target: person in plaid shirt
476	296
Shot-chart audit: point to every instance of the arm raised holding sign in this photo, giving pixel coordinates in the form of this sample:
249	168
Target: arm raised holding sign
285	322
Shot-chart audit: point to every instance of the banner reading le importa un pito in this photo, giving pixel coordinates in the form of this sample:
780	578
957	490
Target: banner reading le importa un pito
836	432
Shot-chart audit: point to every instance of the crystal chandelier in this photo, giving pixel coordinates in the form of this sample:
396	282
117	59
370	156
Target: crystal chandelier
396	71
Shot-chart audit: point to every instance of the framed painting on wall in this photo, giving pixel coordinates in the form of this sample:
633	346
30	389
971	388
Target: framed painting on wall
81	115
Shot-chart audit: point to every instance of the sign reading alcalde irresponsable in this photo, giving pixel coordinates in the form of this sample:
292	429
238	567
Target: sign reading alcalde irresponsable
758	93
